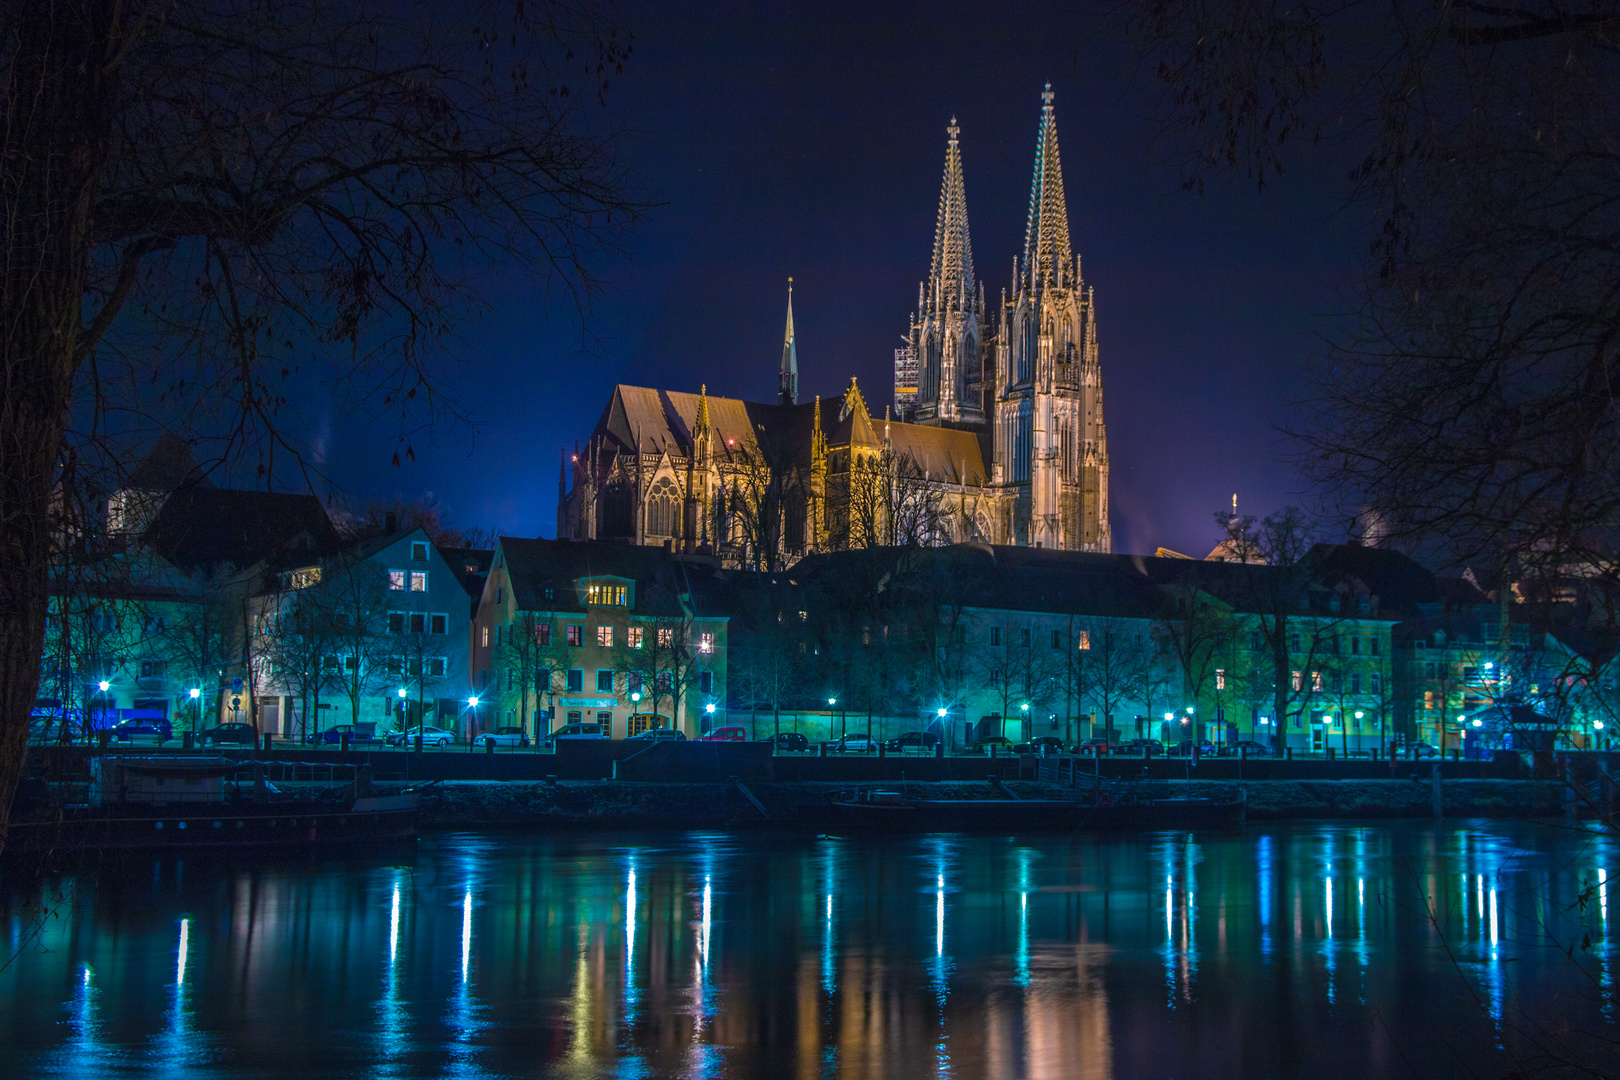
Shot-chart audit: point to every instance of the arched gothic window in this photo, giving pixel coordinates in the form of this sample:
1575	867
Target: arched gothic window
662	509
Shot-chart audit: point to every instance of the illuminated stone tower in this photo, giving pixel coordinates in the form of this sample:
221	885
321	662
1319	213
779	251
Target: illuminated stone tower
945	338
1050	457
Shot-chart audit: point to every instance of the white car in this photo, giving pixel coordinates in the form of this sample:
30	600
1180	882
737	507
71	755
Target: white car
431	736
505	736
575	731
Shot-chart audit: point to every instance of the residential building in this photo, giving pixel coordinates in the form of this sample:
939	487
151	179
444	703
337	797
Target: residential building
627	637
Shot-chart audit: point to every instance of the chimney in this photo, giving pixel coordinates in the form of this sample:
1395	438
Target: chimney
390	523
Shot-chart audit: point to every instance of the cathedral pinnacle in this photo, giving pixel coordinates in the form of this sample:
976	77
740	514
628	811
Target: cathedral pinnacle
787	385
1046	236
950	278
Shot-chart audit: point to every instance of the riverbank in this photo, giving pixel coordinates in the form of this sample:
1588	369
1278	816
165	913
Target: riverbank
629	804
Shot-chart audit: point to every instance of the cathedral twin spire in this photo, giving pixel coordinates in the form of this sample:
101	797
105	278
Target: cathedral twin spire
950	277
1046	235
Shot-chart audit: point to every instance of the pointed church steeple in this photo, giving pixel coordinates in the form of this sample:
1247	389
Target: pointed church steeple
787	387
950	277
1046	236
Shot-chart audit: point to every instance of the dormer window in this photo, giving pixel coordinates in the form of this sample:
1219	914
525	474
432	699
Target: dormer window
607	595
1333	602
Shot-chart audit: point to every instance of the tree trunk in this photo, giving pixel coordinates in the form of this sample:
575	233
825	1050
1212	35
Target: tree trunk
52	143
1280	687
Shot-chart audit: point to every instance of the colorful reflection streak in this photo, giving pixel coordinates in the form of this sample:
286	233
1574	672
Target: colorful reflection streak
1318	951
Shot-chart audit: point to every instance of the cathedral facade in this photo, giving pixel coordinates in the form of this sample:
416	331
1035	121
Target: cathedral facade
996	434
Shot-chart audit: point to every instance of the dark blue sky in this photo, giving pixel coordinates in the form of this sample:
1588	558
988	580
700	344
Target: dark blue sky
808	140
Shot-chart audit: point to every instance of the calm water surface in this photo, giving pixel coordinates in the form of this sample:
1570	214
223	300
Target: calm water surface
1318	951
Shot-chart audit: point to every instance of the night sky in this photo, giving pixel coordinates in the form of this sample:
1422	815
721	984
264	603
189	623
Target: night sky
808	140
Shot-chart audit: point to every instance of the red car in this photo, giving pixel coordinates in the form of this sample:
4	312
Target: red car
726	734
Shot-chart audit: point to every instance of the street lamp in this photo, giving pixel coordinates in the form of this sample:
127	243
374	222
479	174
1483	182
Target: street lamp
104	686
402	691
195	693
472	702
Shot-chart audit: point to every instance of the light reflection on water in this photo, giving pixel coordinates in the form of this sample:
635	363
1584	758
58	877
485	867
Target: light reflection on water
1402	947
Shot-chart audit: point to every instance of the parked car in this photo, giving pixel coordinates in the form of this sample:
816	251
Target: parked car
791	741
1422	750
503	736
430	735
147	732
855	743
1002	745
1184	748
1092	747
1150	747
361	733
572	732
658	734
52	730
913	740
727	734
1045	744
1250	747
228	735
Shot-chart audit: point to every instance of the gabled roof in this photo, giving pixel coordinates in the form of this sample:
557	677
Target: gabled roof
200	527
534	565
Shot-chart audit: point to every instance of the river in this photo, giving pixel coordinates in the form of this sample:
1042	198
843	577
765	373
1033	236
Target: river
1316	950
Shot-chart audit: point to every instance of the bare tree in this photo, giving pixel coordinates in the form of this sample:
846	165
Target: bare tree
889	502
1115	667
764	492
1199	632
1468	407
205	194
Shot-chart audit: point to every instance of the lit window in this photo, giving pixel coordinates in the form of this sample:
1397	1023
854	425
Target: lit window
1220	678
1084	639
1297	680
418	581
1316	680
611	595
486	637
576	635
604	636
542	634
705	643
632	637
396	579
666	638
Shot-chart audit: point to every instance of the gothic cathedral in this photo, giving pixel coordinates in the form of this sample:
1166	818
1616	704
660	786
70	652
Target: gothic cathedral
998	415
1033	376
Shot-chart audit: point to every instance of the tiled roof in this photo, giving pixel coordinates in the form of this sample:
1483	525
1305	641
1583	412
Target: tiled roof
533	565
200	527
